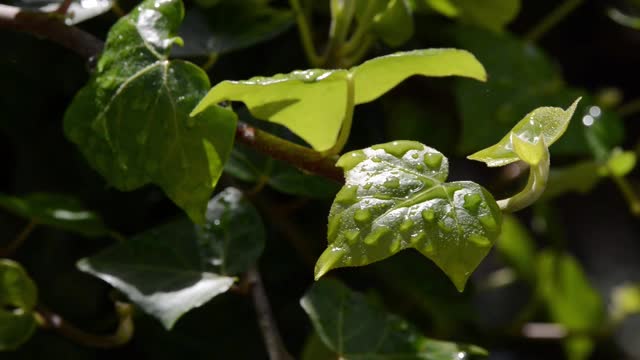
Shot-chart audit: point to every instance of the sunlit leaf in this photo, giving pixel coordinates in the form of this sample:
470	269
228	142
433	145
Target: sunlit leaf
179	266
358	330
543	125
18	297
396	198
55	210
132	120
313	103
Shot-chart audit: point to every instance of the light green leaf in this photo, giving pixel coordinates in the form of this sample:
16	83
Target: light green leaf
395	198
313	103
517	248
375	77
18	297
358	330
132	120
530	153
230	26
55	210
489	14
444	7
625	301
620	163
545	124
179	266
394	25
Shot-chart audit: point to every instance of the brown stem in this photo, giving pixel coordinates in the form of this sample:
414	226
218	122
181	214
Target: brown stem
50	27
296	155
122	335
64	7
19	240
270	334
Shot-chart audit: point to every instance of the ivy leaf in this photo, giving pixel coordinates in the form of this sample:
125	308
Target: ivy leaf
131	121
495	107
55	210
358	330
542	126
395	198
230	26
251	166
313	103
179	266
18	297
570	299
375	77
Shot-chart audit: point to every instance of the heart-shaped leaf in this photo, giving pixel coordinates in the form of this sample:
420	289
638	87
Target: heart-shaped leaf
357	330
55	210
132	120
542	126
313	103
18	297
395	198
179	266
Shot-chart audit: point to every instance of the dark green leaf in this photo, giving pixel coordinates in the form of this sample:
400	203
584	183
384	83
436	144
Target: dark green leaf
395	198
315	349
517	247
179	266
394	24
132	120
250	166
313	103
542	126
358	330
55	210
18	297
489	14
230	26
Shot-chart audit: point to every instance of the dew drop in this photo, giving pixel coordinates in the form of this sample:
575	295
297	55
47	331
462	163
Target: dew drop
399	148
350	160
395	244
347	195
362	215
489	222
376	235
433	160
406	225
376	159
429	249
428	215
472	202
415	239
479	240
444	227
352	236
392	183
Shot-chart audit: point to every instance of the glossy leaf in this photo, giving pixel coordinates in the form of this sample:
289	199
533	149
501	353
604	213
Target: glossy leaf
230	26
250	166
543	126
18	297
313	103
375	77
132	120
358	330
396	198
55	210
495	107
517	248
179	266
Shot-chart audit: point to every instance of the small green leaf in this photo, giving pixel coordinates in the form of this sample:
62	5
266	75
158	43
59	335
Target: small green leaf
620	163
132	121
230	26
179	266
489	14
395	198
55	210
18	297
375	77
444	7
543	125
357	330
530	153
516	247
394	25
313	103
625	301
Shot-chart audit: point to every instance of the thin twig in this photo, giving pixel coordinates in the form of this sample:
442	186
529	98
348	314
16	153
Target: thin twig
19	240
552	19
64	7
296	155
50	27
270	334
121	336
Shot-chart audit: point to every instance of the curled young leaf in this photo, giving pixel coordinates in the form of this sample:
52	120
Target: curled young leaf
396	198
544	124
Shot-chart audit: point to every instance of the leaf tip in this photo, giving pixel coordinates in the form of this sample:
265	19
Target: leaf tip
327	261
